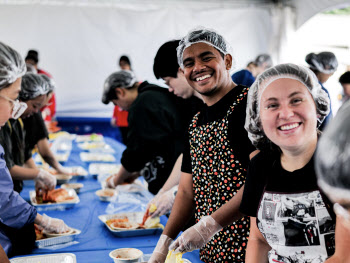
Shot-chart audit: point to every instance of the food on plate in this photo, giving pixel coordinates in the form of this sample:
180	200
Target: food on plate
106	192
41	234
52	196
121	223
151	209
152	222
174	258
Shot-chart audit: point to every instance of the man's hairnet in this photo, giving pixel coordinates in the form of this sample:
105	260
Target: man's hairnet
33	85
263	59
324	62
290	71
50	82
12	65
120	79
333	156
203	35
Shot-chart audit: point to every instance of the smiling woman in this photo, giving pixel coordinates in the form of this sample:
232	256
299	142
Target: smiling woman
290	219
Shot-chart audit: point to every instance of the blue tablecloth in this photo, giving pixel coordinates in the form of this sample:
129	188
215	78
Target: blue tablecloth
96	241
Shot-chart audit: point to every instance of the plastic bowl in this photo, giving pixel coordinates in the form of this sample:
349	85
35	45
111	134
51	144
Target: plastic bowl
126	255
106	195
75	186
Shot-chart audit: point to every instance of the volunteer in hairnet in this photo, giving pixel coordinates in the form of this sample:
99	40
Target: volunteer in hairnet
291	221
215	157
17	234
12	136
333	171
36	134
324	65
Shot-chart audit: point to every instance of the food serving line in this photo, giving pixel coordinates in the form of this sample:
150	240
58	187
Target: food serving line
95	241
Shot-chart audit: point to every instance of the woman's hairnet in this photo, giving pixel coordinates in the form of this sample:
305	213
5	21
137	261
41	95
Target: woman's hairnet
203	35
50	82
324	62
120	79
33	85
290	71
12	65
333	156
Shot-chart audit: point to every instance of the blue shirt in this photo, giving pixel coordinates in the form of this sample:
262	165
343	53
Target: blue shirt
243	77
15	212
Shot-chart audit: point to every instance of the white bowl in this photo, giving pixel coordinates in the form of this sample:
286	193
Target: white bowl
106	195
62	178
75	186
126	255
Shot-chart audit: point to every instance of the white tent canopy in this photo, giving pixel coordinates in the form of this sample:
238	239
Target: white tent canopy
79	42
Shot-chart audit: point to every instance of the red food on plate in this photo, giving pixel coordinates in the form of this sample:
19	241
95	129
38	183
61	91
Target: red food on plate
52	196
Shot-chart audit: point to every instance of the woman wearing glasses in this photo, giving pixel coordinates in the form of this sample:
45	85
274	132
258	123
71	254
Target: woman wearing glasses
291	220
17	234
12	136
333	171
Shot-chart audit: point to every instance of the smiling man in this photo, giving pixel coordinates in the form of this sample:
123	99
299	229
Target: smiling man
216	157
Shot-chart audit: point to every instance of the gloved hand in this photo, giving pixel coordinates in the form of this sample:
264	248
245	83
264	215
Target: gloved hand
45	180
110	181
196	236
61	170
161	250
164	202
53	225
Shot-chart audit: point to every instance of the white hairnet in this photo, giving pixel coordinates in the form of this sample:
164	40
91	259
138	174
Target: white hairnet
324	62
263	59
120	79
203	35
289	71
12	65
50	82
333	156
33	85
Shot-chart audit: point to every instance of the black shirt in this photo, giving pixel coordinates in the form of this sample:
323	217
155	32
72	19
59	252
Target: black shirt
238	137
35	131
155	135
265	170
12	140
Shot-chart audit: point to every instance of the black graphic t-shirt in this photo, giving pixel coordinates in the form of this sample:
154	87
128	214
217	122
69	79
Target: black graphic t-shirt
294	217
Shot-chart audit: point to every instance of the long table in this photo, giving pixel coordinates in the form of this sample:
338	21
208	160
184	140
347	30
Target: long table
95	241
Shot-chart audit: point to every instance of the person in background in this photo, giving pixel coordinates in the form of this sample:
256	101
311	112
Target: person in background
247	76
344	80
120	116
48	110
17	235
165	66
324	65
155	128
36	134
12	136
215	157
291	220
333	170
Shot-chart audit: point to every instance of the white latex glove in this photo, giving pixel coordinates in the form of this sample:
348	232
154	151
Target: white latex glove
45	180
164	202
53	225
161	250
196	236
110	182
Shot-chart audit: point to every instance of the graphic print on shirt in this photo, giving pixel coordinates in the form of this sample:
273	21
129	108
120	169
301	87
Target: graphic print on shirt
298	227
150	171
217	177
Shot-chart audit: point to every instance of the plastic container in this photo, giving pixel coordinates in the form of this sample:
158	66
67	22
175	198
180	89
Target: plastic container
126	255
97	157
106	195
55	206
49	258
